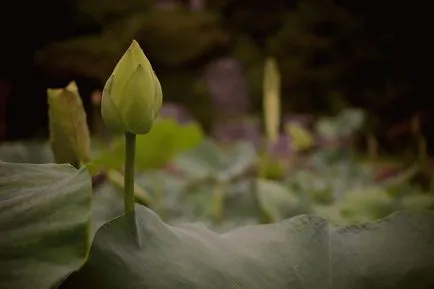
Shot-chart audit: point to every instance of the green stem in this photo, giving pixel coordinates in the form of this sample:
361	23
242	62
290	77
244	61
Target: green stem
130	149
217	202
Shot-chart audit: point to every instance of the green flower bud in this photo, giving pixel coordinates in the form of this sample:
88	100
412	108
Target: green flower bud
132	96
69	134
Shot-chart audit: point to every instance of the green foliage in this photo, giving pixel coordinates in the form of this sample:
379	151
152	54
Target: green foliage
166	139
93	56
210	161
211	177
342	125
334	185
157	31
252	60
134	248
322	48
31	152
307	56
186	88
106	12
58	234
45	221
224	186
276	201
418	201
160	34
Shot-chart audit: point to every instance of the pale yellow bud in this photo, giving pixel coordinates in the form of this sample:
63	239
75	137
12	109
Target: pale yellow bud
132	96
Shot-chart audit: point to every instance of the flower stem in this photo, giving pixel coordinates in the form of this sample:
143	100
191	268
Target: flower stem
130	149
217	202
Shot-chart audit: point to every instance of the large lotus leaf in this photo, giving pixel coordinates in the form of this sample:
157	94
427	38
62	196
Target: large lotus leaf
140	251
44	223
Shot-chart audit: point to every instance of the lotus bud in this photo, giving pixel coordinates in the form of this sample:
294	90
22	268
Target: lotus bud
132	96
69	133
271	99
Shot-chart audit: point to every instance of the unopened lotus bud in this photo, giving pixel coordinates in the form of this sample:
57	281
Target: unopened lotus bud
132	96
69	133
271	99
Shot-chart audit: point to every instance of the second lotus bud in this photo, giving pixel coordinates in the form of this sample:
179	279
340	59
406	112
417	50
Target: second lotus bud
132	96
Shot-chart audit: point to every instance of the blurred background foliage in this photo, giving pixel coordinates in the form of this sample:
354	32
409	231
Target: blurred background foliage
331	54
355	126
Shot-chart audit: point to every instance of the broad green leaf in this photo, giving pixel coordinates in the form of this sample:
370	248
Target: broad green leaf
31	152
240	159
359	206
402	177
204	161
241	206
140	251
153	150
168	192
327	129
418	202
69	134
44	223
276	200
330	178
331	213
366	205
210	161
342	125
176	199
350	120
301	138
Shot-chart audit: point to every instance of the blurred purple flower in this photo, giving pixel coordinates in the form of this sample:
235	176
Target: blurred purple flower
282	147
226	83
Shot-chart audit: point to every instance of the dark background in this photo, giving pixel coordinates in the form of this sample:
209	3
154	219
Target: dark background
379	54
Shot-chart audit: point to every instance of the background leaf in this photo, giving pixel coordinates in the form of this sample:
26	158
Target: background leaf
26	152
208	160
153	150
276	200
